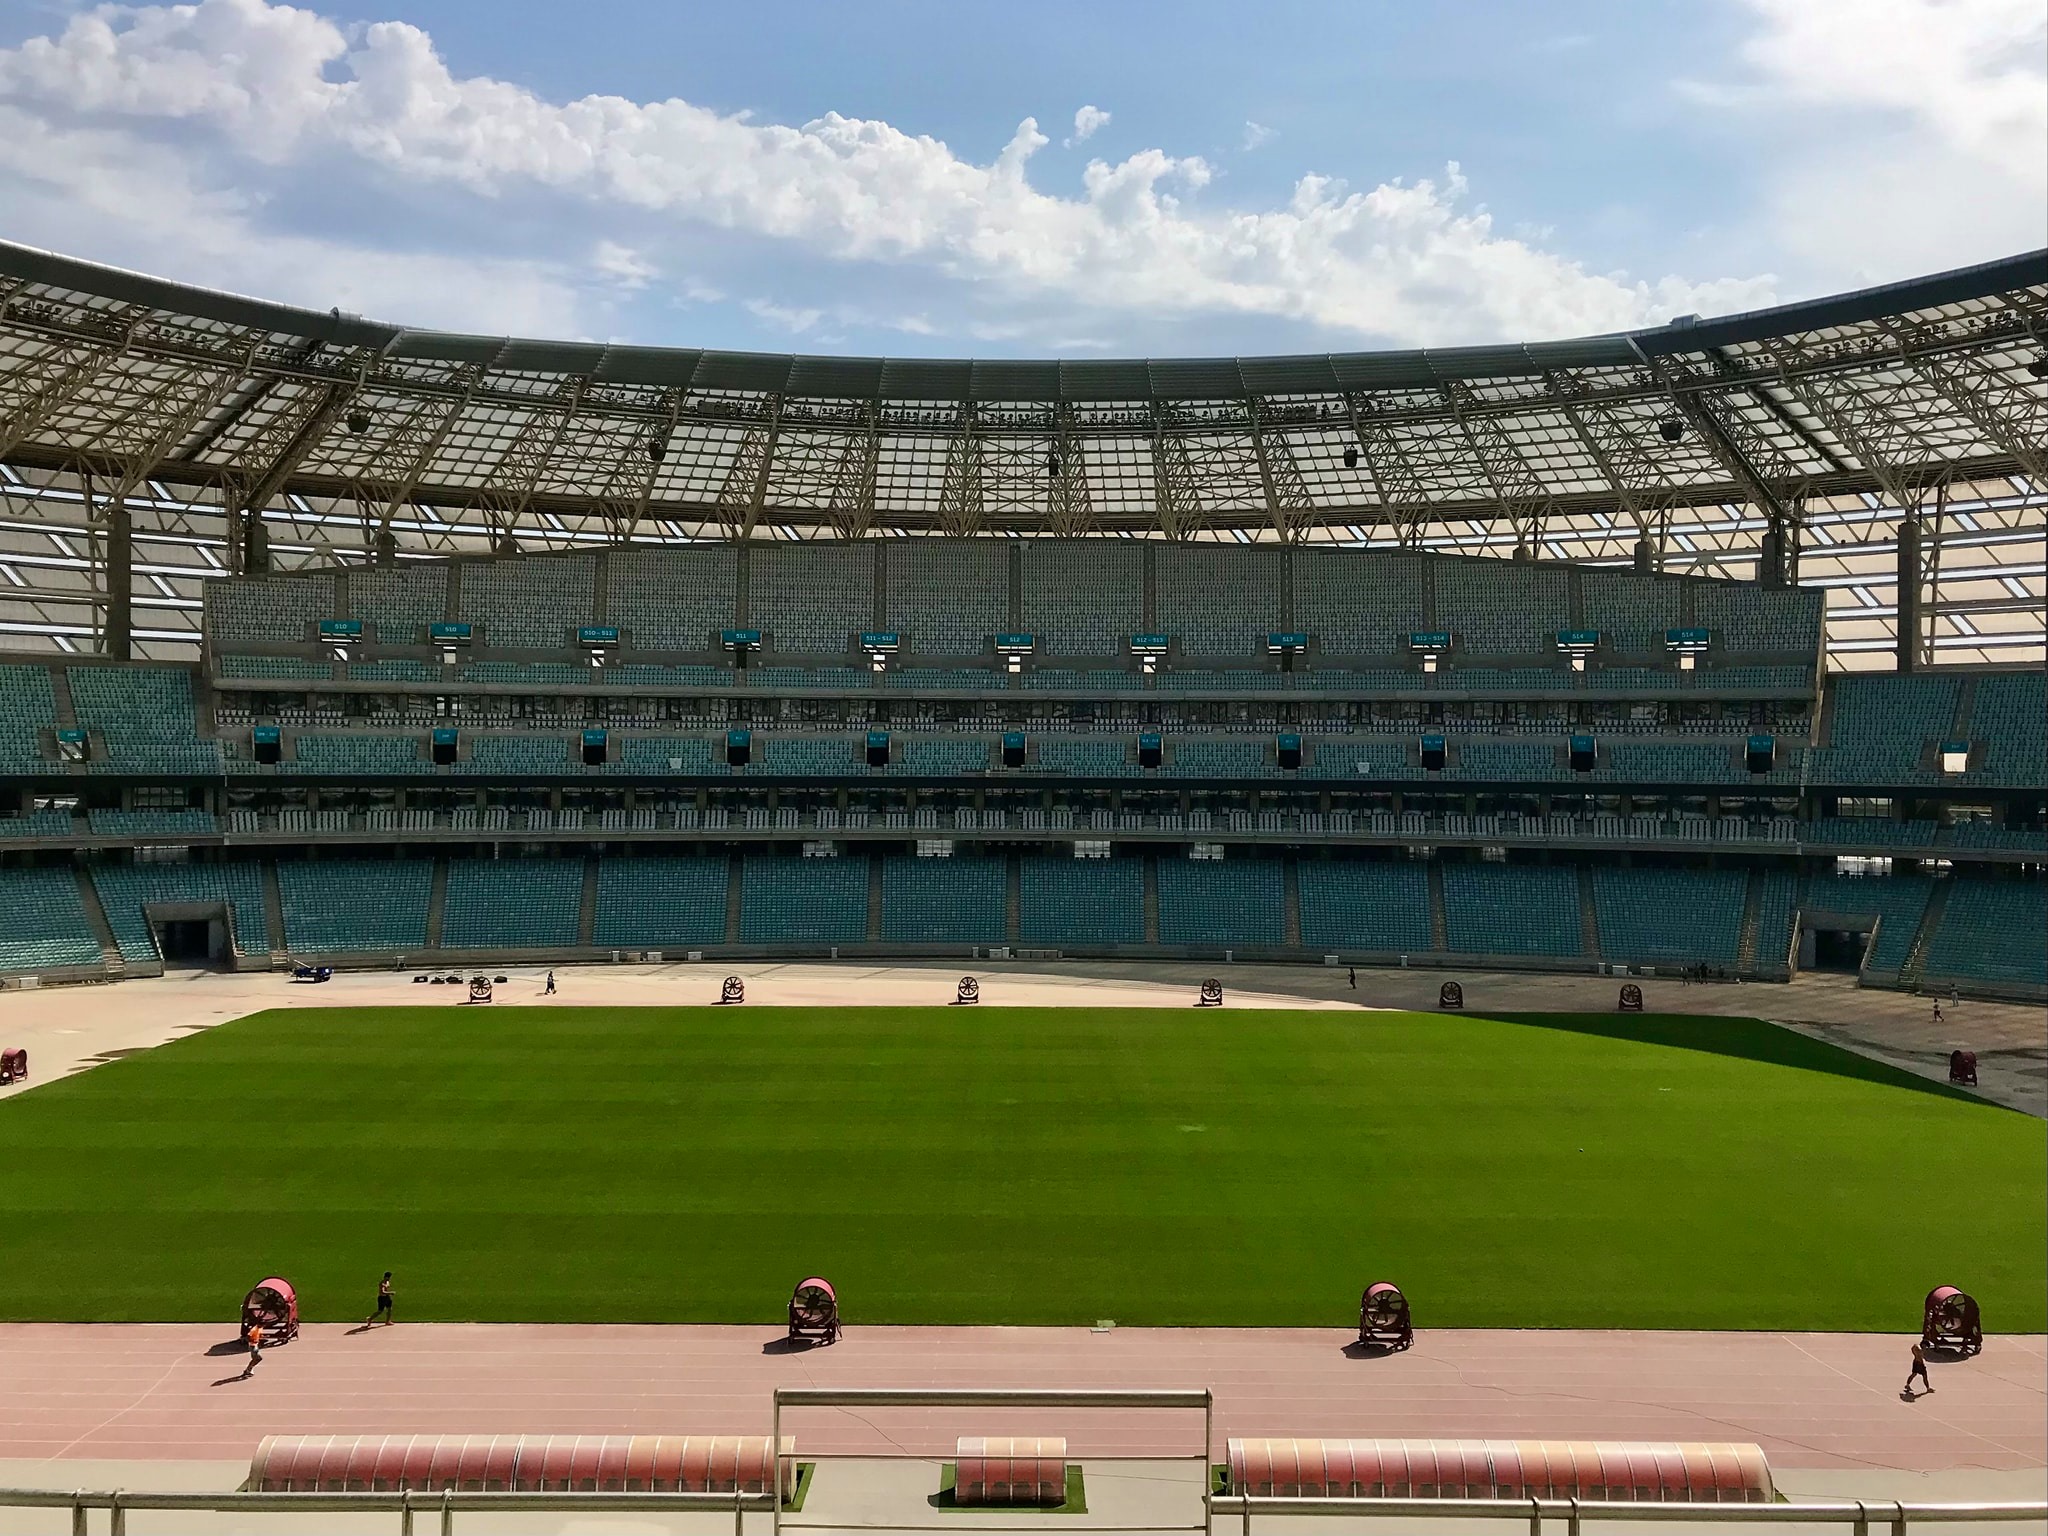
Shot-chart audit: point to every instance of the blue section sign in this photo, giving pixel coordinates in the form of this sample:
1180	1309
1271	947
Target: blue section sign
1763	746
598	634
1429	640
266	735
880	640
341	629
72	734
1430	743
878	738
1290	741
1151	645
740	636
1149	742
1016	642
739	738
444	735
1578	639
1287	642
451	631
1687	638
593	736
1582	744
1014	739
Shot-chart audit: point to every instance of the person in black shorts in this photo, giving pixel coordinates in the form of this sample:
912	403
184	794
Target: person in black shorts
254	1340
1918	1372
551	985
383	1312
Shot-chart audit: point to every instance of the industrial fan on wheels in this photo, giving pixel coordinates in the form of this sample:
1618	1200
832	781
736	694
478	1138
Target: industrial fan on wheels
273	1306
1951	1321
813	1312
1383	1317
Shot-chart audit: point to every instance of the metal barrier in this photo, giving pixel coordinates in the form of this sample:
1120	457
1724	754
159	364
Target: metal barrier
409	1507
889	1397
1859	1513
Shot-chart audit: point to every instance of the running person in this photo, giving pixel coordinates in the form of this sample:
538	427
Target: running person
550	992
254	1339
384	1303
1919	1371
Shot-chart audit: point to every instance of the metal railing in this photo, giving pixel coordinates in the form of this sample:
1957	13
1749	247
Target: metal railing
1859	1514
413	1509
410	1507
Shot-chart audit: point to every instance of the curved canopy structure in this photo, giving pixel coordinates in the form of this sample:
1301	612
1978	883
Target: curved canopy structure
152	434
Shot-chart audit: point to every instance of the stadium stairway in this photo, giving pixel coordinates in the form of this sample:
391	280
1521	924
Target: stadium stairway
1013	898
1752	917
586	911
437	898
735	887
872	931
102	930
1151	892
1290	902
1915	964
1589	916
1439	918
273	905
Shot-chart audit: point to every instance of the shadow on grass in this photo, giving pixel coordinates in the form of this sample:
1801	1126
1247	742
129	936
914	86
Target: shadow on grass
1746	1039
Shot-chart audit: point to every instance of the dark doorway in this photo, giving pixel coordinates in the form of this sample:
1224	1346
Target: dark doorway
187	941
1837	950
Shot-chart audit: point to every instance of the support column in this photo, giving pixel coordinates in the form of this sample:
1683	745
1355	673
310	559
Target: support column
1909	592
120	582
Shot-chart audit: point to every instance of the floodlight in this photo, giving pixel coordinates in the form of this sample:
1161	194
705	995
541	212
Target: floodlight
1671	428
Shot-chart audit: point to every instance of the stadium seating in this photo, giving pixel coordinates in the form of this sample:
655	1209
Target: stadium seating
1083	599
269	607
1991	930
943	756
1516	612
1198	757
1743	617
293	669
1348	757
947	597
1669	762
1896	901
661	903
28	704
803	901
398	603
164	823
358	756
1093	757
1221	902
395	669
519	756
43	925
959	900
339	906
529	603
2010	717
1512	909
125	890
1361	904
1631	614
1774	919
810	756
1081	903
1670	916
810	598
671	599
1218	600
682	756
1882	726
144	716
512	903
533	674
1355	603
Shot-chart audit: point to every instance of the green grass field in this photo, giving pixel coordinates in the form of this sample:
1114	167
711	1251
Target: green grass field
1018	1166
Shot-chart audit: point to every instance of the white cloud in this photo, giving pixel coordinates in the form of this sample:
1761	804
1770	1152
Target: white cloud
1086	121
1913	130
238	107
1258	135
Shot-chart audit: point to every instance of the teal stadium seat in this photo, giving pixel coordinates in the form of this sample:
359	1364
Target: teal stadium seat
340	906
28	704
283	669
1083	599
1992	930
803	901
660	902
1221	902
536	604
398	603
1081	903
359	756
43	925
145	717
1368	904
268	607
125	890
960	900
1511	909
1670	916
512	903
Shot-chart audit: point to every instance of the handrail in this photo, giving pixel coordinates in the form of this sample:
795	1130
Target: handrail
1859	1513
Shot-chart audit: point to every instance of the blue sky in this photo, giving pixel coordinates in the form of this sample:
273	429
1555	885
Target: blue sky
914	179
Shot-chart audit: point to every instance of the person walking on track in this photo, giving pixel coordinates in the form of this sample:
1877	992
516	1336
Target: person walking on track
550	992
384	1303
1352	971
1919	1373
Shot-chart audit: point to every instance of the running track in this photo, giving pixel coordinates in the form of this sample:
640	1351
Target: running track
163	1391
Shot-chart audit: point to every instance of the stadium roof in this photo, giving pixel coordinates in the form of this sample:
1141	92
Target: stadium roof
336	434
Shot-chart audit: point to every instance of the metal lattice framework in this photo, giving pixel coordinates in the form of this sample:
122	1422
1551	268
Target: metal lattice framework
153	435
